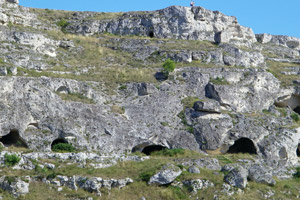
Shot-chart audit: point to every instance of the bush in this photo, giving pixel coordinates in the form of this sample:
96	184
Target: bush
169	66
145	176
297	173
295	117
11	160
63	147
63	25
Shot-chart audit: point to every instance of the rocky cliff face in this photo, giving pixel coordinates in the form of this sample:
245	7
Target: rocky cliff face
92	80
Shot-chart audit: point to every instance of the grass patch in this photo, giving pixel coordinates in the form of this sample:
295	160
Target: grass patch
219	81
117	109
75	97
189	102
277	67
169	152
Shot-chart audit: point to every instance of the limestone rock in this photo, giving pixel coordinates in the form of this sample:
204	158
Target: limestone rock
192	24
261	174
14	185
194	170
197	184
237	177
3	71
207	106
166	176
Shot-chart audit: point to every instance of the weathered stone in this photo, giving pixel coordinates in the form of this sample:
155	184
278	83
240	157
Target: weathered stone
166	176
193	24
197	184
194	170
207	106
237	177
14	185
3	71
261	174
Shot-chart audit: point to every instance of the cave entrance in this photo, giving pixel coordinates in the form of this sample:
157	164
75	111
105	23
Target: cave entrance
298	150
297	110
13	139
58	141
243	145
151	34
152	148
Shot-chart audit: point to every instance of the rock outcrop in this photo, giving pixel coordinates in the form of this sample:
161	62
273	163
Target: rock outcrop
173	22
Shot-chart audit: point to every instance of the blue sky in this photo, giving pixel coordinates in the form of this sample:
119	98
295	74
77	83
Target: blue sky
278	17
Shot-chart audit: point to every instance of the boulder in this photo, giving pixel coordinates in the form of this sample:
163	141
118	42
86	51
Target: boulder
166	175
14	185
237	177
261	174
207	106
194	170
3	71
145	89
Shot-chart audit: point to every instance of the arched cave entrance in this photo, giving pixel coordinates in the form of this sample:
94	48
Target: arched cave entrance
147	149
58	141
298	150
243	145
151	34
13	139
297	110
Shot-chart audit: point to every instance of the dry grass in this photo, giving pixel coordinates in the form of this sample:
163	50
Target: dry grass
277	67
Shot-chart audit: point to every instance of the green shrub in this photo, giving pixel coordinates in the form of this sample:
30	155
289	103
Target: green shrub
123	87
169	152
10	179
168	66
297	173
145	176
164	123
63	147
11	160
295	117
63	25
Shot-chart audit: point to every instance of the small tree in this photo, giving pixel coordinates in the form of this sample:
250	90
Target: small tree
169	66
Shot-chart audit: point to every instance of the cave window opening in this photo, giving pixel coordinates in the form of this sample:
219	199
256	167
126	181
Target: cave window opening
58	141
151	34
297	110
298	150
152	148
243	145
13	139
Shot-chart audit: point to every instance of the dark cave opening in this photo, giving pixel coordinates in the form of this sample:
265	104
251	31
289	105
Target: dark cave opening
152	148
58	141
243	145
151	34
297	110
13	139
298	150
